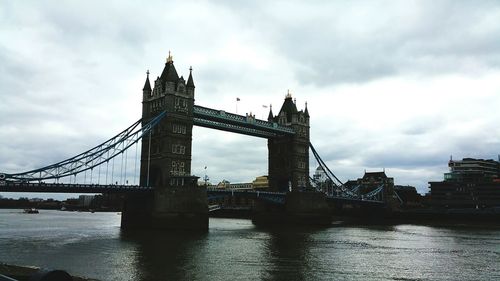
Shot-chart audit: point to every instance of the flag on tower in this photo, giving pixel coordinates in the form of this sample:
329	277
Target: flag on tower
237	99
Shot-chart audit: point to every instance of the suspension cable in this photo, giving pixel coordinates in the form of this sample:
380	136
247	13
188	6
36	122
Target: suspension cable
93	157
149	158
99	174
126	160
135	165
121	170
107	168
112	171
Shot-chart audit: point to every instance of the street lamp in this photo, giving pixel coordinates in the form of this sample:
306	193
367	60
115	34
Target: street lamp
205	178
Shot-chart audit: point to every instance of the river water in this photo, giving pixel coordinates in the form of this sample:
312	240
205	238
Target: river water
92	245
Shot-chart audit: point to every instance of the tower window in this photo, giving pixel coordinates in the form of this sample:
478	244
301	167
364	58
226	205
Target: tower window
177	168
178	149
180	105
178	129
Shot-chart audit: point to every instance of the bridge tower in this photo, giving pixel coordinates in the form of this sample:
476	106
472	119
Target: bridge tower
177	202
289	171
289	155
166	153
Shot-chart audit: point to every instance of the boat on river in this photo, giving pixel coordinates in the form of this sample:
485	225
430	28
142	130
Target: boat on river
31	211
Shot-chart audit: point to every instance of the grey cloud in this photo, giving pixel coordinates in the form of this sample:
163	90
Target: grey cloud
353	42
422	125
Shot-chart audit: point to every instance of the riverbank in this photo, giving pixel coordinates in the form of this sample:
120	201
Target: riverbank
24	273
443	217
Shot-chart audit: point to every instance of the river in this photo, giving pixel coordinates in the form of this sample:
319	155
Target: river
92	245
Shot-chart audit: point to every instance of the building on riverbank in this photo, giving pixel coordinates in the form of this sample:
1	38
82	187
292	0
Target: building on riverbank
470	183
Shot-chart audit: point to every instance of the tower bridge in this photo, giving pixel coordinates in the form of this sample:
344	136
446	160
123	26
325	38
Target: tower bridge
167	195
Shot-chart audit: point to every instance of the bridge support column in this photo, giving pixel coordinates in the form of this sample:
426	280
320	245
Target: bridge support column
179	206
182	208
137	210
301	208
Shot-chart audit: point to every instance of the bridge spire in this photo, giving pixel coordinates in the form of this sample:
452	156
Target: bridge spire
169	58
306	112
190	82
169	73
270	117
147	85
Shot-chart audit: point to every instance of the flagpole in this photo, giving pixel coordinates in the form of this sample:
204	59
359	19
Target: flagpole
264	115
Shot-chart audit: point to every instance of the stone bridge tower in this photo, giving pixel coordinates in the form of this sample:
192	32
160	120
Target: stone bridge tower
176	202
289	155
166	155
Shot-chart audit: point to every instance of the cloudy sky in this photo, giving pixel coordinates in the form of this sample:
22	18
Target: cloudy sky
400	85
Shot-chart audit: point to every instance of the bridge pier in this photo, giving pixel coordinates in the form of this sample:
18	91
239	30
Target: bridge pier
137	210
181	208
181	205
300	208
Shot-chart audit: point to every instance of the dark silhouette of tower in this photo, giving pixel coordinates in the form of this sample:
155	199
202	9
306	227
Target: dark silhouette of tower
289	155
166	152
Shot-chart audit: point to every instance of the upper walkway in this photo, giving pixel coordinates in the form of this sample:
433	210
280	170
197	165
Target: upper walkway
247	125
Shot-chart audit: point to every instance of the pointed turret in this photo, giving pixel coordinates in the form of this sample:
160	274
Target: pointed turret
288	107
147	85
190	82
306	112
270	117
169	73
146	95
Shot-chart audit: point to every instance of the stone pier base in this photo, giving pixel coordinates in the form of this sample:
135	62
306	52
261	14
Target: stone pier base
301	208
137	210
175	208
184	208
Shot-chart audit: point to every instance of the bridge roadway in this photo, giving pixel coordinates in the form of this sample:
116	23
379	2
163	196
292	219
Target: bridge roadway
69	188
212	193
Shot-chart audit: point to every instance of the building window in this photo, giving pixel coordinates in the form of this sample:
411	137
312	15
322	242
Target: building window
301	149
180	105
180	88
179	129
181	168
178	149
173	171
156	105
177	168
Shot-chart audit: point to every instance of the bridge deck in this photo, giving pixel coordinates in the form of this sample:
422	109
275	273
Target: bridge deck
274	197
361	202
70	188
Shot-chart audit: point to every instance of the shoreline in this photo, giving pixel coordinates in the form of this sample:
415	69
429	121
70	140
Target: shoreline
24	272
433	217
